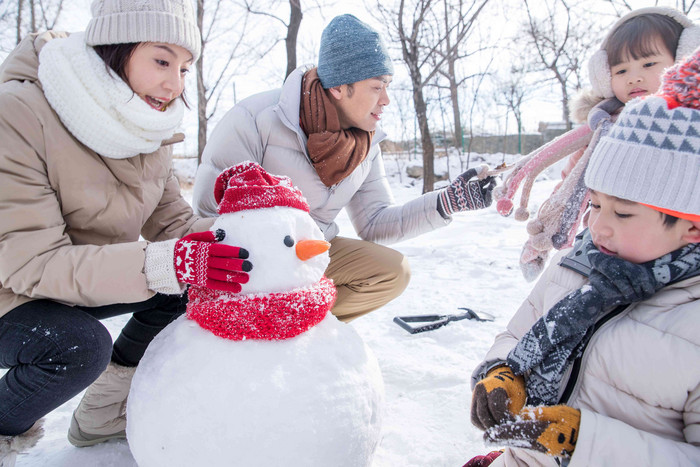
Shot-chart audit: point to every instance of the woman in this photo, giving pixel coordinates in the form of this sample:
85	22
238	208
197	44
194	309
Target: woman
87	123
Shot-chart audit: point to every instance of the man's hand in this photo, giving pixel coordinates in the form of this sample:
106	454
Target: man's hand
201	261
497	398
465	194
552	430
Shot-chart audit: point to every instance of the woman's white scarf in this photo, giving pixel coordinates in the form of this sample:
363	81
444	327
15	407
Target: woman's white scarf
97	106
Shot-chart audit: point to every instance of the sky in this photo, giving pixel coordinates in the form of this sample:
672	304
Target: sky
473	262
267	73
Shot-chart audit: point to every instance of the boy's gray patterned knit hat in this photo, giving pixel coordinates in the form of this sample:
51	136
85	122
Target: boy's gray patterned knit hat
351	51
652	153
126	21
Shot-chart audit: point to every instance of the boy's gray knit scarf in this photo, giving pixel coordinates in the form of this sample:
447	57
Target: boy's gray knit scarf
558	337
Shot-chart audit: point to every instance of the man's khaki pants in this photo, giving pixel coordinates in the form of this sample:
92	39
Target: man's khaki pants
366	276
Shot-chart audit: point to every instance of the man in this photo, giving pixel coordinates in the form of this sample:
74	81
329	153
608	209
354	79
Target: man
320	129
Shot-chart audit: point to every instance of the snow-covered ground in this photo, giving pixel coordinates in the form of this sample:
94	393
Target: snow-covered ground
471	263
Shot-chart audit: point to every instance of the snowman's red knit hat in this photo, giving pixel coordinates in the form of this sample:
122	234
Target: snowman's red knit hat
249	186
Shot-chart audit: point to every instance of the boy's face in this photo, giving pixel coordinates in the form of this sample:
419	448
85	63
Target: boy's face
361	105
632	231
640	77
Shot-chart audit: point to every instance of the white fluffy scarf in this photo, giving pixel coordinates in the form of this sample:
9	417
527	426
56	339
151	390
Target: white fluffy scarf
97	106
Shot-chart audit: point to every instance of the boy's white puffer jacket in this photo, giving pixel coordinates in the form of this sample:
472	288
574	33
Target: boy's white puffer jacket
638	387
265	128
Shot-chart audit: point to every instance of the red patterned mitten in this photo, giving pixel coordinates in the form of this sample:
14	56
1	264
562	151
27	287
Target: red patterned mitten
200	261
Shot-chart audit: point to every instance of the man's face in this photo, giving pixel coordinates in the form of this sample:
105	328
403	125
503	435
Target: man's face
632	231
642	76
361	104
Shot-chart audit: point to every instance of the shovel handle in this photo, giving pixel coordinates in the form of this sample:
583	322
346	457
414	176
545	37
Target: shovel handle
403	322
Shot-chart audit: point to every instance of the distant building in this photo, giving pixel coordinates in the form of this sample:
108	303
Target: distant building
551	130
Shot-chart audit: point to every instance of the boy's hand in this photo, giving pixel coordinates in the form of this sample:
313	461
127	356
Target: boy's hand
552	430
465	194
497	398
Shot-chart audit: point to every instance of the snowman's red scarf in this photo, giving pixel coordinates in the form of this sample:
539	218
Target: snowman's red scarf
273	316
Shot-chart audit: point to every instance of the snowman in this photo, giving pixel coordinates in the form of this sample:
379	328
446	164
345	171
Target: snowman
266	377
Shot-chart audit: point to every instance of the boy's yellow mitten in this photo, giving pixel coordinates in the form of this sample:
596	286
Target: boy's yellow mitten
497	398
549	429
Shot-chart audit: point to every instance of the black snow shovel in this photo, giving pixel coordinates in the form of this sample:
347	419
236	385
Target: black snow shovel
424	323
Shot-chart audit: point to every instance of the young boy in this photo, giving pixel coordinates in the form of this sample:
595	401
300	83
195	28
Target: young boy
606	349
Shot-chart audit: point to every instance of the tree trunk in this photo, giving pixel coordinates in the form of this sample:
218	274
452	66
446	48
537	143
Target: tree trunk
295	16
20	4
454	96
425	138
201	92
32	16
565	105
452	79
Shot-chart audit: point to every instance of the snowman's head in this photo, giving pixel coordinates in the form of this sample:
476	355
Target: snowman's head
286	247
269	217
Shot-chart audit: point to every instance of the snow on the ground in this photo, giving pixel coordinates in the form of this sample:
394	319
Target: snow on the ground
472	263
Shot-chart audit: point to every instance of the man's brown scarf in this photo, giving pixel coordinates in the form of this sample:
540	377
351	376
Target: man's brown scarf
334	152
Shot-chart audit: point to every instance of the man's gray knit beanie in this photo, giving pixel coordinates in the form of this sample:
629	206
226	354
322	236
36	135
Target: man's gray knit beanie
351	51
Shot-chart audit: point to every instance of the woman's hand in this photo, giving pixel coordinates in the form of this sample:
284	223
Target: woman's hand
200	260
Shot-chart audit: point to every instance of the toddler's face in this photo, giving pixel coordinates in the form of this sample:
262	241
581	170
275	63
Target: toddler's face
642	76
632	231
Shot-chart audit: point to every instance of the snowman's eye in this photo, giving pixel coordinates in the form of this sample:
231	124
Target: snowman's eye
289	241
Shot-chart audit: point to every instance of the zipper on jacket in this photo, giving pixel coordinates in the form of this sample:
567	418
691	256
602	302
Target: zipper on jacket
576	367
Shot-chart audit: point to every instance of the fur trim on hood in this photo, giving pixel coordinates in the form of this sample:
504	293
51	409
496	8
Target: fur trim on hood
582	103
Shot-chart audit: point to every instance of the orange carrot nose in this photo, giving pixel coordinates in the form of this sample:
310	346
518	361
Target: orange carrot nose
307	249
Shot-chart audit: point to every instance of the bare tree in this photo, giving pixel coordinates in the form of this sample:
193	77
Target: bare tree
512	91
561	40
418	28
23	17
622	7
291	26
226	51
271	10
453	54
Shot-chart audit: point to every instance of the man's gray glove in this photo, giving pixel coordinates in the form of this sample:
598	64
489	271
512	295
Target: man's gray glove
465	194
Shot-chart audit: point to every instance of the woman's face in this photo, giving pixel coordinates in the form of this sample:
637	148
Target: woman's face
156	72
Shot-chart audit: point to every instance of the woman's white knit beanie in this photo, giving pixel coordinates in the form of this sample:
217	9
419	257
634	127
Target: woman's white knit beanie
126	21
598	68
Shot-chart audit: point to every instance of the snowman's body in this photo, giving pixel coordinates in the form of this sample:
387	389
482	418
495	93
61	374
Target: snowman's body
198	399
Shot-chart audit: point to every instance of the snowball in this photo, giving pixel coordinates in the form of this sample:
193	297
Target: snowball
312	400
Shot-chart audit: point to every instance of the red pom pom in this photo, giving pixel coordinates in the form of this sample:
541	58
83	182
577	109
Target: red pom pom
504	207
680	83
